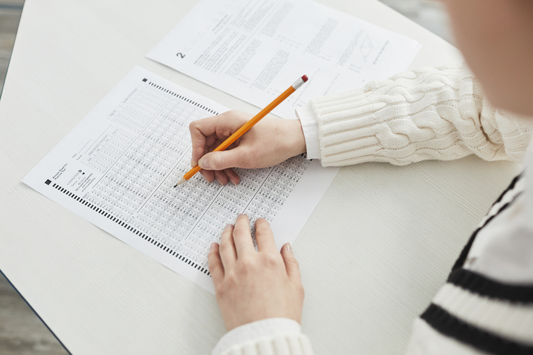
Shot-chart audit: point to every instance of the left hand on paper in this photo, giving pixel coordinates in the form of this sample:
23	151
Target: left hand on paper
253	285
270	142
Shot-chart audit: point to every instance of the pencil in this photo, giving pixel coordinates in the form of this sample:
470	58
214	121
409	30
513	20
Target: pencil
246	127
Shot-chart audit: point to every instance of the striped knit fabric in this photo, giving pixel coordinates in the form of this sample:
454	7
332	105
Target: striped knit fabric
475	314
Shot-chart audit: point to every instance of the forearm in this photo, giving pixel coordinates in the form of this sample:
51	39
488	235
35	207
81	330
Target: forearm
417	115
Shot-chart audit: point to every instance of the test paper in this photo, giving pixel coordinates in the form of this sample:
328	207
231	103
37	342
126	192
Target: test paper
118	167
251	49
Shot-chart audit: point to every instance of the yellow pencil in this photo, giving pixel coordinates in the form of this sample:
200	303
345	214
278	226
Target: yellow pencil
246	127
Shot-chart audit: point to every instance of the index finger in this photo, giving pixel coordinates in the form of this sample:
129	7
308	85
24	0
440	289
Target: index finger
264	236
227	247
242	236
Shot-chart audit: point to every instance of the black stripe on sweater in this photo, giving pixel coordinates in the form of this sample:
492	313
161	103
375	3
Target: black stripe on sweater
484	286
509	188
464	253
449	325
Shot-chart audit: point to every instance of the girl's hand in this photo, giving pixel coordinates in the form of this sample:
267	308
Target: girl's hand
254	285
270	142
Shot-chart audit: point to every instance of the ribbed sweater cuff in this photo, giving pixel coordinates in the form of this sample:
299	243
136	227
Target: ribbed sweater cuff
262	331
348	128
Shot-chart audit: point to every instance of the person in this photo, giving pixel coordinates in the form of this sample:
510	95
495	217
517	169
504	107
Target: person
434	113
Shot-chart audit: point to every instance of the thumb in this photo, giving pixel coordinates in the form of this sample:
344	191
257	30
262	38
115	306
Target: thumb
291	264
233	158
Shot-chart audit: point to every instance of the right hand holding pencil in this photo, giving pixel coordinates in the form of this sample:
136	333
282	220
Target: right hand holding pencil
268	143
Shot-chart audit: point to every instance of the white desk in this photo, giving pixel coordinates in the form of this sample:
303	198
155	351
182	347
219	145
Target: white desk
372	255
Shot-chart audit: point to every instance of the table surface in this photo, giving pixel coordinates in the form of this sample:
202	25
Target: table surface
372	255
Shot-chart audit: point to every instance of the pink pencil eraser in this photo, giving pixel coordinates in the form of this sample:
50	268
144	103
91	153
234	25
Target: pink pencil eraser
304	78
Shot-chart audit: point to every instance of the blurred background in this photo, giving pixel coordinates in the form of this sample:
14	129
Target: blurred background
21	331
9	19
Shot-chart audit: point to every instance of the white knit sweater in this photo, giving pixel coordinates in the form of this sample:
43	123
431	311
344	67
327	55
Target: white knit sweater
434	113
437	113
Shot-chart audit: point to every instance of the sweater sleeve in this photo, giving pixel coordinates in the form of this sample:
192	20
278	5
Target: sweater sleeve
282	344
272	336
433	113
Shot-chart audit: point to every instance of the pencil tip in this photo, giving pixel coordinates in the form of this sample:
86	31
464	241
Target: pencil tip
180	182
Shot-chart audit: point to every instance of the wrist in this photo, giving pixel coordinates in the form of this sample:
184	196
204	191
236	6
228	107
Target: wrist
295	138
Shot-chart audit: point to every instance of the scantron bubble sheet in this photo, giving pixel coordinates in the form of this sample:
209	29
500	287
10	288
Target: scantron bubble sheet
118	167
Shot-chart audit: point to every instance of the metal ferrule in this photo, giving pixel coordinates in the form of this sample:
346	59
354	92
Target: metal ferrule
298	83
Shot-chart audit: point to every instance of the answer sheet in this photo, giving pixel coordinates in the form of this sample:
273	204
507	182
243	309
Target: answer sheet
118	168
255	49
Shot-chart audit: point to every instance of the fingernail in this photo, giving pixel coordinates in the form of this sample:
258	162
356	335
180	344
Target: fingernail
220	182
204	163
288	248
213	246
228	226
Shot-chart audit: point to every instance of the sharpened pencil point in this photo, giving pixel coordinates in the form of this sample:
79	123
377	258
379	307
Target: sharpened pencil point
180	182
